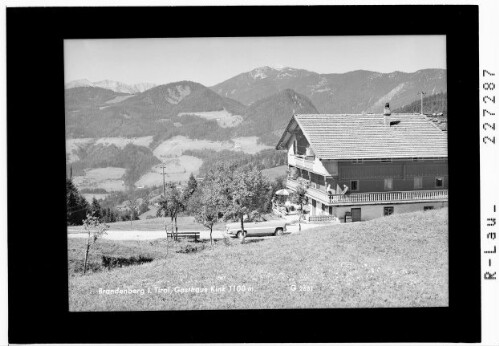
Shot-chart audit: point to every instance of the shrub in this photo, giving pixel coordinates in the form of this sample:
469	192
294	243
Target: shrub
190	249
113	262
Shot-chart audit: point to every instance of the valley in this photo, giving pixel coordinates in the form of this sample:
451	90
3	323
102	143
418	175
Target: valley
178	167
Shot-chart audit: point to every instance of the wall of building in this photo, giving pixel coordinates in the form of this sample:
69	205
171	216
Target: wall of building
369	212
291	146
318	208
331	167
371	175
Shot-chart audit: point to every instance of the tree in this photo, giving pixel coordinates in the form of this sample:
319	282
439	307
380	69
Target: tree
144	207
189	190
132	205
76	204
245	194
192	185
299	197
172	204
95	208
109	215
205	206
92	223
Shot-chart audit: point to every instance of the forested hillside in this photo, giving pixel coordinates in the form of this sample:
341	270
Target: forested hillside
137	160
431	104
87	97
269	158
267	118
95	112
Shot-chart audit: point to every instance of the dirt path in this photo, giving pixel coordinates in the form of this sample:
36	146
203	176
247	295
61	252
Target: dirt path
151	235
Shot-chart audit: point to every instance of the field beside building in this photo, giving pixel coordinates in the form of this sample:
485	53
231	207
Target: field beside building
395	261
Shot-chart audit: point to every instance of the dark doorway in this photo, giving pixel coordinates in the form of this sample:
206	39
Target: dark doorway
356	214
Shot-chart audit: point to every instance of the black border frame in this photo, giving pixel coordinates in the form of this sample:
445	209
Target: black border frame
37	257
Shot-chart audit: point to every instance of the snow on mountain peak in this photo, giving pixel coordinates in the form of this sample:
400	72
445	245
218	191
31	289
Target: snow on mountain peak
111	85
278	67
78	83
259	73
275	70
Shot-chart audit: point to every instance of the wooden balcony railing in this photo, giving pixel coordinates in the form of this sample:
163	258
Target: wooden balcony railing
389	196
371	197
304	161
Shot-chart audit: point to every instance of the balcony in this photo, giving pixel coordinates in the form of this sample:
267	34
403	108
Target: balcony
302	161
395	196
371	197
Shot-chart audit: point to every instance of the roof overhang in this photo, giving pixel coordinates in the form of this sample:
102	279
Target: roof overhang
287	134
293	125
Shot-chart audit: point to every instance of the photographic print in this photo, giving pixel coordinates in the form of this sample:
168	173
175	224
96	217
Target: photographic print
239	173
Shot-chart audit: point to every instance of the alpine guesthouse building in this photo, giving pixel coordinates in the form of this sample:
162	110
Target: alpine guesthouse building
358	167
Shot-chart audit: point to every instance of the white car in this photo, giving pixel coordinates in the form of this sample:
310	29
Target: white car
259	226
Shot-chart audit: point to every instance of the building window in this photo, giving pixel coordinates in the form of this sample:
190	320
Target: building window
428	208
357	161
354	185
388	183
323	207
330	210
387	211
418	183
439	182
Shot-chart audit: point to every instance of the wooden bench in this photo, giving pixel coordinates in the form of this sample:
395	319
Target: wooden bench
195	235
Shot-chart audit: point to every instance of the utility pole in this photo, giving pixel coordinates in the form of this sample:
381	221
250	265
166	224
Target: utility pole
164	185
421	93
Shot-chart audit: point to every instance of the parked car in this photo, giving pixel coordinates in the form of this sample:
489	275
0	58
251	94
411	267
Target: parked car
259	226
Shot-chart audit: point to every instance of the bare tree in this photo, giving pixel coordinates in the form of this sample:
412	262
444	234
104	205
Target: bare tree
204	205
172	204
95	230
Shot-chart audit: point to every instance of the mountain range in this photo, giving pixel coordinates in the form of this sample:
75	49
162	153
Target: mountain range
182	108
256	103
351	92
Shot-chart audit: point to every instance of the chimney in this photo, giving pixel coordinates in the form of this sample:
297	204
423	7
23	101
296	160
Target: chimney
387	110
386	114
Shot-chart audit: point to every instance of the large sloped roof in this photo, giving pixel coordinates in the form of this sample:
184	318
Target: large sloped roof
366	136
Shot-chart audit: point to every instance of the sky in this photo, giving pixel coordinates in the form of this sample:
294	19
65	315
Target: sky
212	60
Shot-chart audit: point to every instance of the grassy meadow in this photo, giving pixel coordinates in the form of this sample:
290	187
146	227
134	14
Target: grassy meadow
273	173
396	261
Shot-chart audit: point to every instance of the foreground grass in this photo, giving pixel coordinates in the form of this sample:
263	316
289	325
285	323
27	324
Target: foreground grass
397	261
153	249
